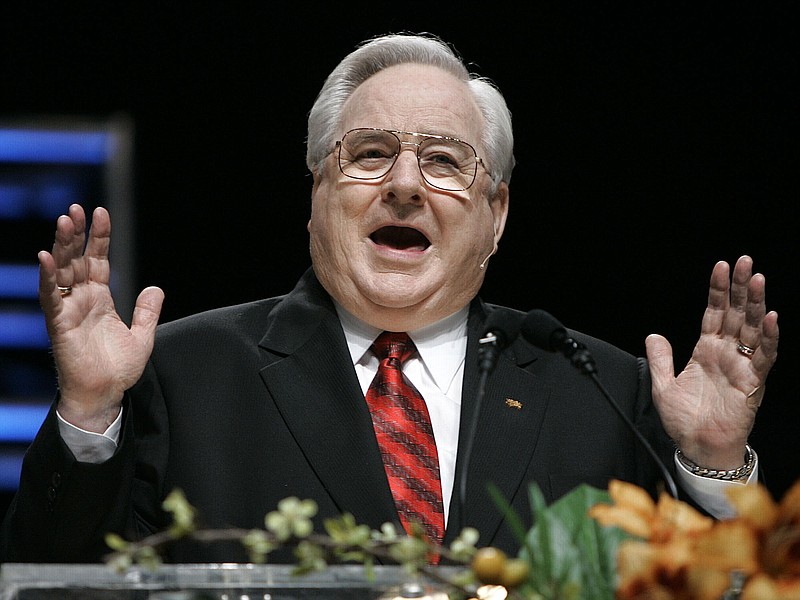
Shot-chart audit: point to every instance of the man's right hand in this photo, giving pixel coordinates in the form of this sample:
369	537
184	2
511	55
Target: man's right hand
96	355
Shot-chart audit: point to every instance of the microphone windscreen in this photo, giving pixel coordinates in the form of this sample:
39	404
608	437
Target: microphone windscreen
504	324
543	330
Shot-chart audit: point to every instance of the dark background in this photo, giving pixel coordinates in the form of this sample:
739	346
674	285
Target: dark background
652	140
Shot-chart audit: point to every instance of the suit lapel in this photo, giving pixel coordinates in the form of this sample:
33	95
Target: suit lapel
511	414
316	390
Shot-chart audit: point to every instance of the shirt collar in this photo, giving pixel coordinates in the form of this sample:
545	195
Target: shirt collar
442	345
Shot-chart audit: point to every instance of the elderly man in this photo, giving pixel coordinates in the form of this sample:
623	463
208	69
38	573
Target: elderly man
357	389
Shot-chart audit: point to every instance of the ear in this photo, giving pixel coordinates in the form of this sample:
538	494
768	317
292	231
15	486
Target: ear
498	204
317	179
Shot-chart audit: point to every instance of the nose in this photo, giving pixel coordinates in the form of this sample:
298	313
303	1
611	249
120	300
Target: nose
404	181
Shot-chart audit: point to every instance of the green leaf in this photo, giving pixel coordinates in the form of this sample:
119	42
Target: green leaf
514	522
570	554
116	542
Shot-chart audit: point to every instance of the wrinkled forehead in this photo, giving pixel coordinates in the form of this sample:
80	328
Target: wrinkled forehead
418	98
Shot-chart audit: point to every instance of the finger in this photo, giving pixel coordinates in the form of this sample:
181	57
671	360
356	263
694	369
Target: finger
767	352
68	246
755	310
97	247
660	359
742	272
718	299
735	316
764	358
49	296
99	234
146	313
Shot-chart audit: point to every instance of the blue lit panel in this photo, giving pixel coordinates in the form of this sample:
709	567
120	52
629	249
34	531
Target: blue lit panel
20	329
19	281
20	422
10	467
72	147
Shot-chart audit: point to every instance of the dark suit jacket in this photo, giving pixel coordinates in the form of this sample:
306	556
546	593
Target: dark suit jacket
243	406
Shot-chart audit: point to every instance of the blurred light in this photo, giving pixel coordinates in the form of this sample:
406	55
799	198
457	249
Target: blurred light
27	145
19	281
10	467
20	422
20	329
13	200
491	592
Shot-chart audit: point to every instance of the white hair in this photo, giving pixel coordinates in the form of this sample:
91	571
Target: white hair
389	50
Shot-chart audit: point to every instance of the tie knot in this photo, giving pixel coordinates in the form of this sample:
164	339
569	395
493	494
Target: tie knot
392	344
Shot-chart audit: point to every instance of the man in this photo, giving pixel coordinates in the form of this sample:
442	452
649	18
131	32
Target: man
243	406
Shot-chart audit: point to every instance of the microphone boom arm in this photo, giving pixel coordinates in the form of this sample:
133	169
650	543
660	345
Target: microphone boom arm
544	331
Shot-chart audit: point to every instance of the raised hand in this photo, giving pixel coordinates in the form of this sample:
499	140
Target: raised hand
97	355
710	407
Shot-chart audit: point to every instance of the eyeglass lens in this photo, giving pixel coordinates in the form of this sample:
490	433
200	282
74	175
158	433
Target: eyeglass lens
446	164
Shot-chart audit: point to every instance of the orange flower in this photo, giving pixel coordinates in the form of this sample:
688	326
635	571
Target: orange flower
682	554
634	511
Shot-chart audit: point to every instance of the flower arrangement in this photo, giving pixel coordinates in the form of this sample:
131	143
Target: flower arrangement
679	553
589	545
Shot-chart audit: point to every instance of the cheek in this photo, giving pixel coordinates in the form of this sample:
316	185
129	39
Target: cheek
330	218
470	233
323	228
333	226
323	204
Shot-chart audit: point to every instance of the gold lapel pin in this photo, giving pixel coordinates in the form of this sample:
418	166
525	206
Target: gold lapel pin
511	403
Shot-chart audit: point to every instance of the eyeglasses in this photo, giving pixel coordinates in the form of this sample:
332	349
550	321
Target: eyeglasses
446	163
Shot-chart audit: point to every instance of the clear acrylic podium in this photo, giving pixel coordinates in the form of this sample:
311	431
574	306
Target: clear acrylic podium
22	581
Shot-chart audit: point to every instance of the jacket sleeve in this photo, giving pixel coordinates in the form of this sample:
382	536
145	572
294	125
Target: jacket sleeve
64	508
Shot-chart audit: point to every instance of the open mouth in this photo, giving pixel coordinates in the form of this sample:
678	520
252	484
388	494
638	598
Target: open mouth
400	238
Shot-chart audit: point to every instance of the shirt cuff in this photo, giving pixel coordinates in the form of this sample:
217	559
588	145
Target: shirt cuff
710	493
88	446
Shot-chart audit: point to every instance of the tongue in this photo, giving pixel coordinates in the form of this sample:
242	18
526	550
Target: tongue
402	238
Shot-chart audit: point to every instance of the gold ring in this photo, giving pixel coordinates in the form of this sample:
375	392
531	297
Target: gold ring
65	290
744	348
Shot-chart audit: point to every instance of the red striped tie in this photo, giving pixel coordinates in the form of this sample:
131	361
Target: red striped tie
405	436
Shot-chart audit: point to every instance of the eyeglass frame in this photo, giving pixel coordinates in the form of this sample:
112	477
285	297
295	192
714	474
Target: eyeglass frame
426	136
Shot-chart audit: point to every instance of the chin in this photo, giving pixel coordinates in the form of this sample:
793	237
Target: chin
394	285
404	298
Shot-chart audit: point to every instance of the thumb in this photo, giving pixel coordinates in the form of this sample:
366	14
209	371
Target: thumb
659	355
147	311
